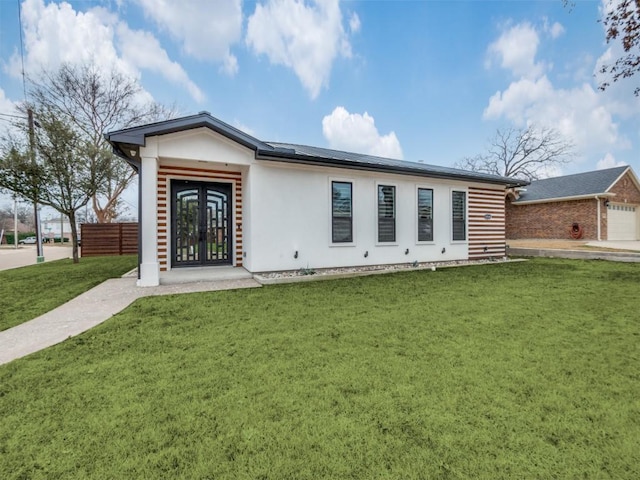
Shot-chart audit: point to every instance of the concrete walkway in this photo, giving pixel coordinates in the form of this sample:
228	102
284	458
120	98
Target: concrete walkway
633	245
92	308
26	255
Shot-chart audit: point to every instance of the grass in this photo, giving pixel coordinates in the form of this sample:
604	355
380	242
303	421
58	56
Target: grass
523	370
28	292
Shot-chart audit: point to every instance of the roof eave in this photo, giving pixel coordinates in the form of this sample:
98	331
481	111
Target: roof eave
289	156
564	199
137	136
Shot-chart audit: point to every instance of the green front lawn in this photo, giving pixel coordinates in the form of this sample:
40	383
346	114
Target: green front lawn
523	370
28	292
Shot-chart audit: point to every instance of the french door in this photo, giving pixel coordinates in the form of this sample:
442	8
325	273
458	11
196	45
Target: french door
200	223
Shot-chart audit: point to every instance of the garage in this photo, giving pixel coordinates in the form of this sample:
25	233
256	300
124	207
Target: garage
622	222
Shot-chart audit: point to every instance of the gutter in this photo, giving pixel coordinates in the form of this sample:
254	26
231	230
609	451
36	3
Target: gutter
564	199
288	156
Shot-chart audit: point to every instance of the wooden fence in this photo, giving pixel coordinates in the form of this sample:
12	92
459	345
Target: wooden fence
109	239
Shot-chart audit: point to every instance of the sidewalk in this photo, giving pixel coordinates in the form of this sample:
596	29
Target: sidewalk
26	255
90	309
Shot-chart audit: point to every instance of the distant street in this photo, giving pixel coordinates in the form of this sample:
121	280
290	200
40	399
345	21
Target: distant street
26	255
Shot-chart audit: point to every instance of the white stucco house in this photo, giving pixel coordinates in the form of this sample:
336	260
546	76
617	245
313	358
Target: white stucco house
211	195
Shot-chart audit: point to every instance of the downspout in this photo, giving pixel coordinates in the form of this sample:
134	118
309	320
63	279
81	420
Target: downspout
599	216
138	167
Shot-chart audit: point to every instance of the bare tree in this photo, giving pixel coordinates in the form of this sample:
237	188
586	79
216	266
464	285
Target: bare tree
522	153
52	168
93	102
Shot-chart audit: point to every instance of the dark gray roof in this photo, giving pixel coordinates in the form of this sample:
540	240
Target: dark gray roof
339	158
135	136
127	143
577	185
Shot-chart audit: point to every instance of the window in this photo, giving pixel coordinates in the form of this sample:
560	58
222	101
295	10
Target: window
425	215
341	212
459	215
386	213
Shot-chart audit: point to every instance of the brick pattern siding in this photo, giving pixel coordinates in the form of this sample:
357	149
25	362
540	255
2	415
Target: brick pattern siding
626	191
552	220
168	172
486	236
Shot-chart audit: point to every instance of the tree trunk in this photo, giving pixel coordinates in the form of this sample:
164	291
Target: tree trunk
104	214
74	235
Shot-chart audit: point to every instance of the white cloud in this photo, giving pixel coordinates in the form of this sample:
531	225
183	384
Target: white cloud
56	33
229	65
354	23
143	50
7	107
358	133
516	49
206	28
609	161
246	129
554	30
578	113
304	37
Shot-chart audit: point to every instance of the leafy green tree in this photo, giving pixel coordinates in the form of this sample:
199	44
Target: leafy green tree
52	169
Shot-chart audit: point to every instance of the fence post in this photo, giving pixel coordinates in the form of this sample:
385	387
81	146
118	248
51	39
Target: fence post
120	238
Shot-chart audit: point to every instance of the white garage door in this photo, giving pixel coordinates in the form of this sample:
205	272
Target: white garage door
621	222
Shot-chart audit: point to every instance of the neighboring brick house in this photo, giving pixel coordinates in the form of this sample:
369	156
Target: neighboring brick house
600	205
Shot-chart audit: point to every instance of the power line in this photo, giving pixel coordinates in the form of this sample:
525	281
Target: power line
21	117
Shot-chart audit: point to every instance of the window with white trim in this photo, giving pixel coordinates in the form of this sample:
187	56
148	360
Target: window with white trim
425	215
459	215
341	212
386	213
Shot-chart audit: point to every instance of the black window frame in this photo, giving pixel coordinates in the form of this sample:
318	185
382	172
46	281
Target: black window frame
424	234
339	220
458	224
386	223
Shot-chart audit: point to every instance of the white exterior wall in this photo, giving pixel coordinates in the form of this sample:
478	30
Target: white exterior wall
287	208
290	209
200	145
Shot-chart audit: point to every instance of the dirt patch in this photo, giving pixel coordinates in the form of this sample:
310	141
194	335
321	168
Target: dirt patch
562	245
553	244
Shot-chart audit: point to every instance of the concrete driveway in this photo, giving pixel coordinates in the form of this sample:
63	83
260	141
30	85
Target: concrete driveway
633	245
27	255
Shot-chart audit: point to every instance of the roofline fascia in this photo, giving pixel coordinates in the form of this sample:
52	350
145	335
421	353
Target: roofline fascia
564	199
290	157
137	136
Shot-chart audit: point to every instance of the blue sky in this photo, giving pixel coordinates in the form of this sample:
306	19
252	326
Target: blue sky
420	80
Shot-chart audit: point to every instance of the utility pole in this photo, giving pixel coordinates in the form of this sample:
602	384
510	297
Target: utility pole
36	212
15	220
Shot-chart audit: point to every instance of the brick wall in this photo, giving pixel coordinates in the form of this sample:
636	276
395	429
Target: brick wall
552	220
626	191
